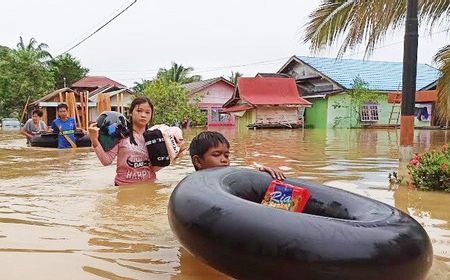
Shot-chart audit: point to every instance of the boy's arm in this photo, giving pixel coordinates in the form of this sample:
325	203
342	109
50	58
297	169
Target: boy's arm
274	172
53	127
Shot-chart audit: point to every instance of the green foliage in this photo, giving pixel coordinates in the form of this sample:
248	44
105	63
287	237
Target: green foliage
442	106
30	72
22	75
234	77
360	94
171	103
67	67
431	170
355	22
139	87
177	73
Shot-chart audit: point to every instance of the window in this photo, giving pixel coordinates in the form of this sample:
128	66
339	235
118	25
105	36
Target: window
369	112
217	115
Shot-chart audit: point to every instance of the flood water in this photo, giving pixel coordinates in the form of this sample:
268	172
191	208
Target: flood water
62	218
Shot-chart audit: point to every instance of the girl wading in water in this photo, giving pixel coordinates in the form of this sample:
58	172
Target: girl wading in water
133	165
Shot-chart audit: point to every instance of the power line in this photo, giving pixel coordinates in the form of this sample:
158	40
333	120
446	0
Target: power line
93	26
98	29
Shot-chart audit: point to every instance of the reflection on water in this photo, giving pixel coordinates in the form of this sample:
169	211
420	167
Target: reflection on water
61	216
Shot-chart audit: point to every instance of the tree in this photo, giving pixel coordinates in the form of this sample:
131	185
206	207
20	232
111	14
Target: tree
38	52
140	86
177	73
171	103
359	95
442	58
66	67
24	74
234	77
368	21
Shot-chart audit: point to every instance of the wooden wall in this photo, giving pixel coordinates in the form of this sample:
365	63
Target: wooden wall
276	114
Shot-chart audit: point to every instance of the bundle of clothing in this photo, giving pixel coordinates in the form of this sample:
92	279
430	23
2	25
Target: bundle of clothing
164	144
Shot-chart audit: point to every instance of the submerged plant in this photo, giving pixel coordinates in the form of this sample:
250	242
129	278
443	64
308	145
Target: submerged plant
431	170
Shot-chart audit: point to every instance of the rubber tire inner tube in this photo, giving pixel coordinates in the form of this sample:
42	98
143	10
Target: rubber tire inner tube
217	216
50	140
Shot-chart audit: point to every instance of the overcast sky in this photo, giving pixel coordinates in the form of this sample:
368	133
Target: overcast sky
214	37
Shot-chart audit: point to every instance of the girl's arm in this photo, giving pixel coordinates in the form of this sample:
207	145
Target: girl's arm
106	158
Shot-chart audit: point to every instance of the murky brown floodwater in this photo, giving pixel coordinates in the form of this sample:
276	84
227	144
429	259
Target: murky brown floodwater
62	218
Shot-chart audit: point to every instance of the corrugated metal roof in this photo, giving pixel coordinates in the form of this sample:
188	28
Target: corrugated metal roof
51	95
237	108
380	75
95	82
421	96
269	91
197	86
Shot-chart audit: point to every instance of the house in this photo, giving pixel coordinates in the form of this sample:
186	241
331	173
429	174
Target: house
425	102
91	83
120	99
49	102
212	94
266	102
326	83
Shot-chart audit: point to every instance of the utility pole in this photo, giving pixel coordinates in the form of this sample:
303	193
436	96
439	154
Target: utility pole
409	82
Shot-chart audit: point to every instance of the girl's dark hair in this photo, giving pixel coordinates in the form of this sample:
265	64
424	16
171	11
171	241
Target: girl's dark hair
206	140
137	101
38	113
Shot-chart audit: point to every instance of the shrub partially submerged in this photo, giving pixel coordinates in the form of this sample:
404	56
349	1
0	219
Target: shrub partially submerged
431	170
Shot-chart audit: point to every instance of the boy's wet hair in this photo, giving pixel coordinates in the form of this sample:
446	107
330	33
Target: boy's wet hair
62	105
206	140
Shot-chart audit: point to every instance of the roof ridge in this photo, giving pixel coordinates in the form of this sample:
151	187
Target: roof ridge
355	59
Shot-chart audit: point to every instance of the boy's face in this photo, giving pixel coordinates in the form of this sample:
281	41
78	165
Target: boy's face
214	157
62	113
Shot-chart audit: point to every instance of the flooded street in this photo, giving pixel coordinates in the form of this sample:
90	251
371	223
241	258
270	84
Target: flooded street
62	217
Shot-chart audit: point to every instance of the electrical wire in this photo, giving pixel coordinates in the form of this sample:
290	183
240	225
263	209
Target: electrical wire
100	28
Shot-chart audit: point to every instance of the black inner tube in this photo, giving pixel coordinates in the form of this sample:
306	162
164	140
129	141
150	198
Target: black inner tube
324	201
218	217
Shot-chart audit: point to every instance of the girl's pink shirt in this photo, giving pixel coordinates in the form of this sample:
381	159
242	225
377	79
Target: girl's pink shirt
132	161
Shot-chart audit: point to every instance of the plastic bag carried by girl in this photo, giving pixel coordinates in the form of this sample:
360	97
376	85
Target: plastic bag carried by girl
164	144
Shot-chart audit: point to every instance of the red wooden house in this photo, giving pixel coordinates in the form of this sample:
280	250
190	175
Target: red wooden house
267	102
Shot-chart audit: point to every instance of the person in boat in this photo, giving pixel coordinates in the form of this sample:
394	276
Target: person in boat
211	149
65	127
133	164
34	126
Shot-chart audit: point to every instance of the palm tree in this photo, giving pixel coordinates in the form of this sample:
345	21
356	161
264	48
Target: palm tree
37	52
234	77
442	58
368	21
177	73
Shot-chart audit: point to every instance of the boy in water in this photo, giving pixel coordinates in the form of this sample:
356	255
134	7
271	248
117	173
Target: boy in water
65	127
211	149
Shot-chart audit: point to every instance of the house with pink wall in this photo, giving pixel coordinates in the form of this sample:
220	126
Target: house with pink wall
213	93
